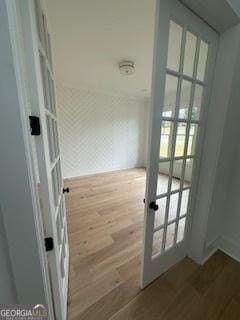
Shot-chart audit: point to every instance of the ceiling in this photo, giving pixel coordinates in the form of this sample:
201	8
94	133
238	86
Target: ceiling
90	38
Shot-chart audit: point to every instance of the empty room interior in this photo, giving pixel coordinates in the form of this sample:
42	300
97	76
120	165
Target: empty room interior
103	110
123	117
103	100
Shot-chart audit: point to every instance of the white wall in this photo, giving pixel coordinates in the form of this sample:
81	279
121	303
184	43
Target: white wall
7	292
230	228
224	219
100	132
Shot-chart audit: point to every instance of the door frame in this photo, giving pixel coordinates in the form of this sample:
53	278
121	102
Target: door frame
201	246
32	261
196	252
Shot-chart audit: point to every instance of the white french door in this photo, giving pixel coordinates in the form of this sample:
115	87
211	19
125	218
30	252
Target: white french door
184	60
40	74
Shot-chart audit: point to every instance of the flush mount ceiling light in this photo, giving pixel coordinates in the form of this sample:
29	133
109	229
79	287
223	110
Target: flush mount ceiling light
126	67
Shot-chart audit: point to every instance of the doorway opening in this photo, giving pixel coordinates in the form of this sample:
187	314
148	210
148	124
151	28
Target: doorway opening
94	127
103	139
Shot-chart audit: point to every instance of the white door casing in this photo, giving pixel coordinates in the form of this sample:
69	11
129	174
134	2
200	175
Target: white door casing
184	60
37	43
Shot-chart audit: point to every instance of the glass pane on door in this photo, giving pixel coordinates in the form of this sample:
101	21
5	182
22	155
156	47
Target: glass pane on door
197	102
173	206
159	216
202	62
174	46
188	172
184	104
170	97
170	236
176	174
189	54
181	230
192	139
180	139
184	202
162	181
157	242
166	139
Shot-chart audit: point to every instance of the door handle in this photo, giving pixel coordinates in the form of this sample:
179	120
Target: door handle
153	206
66	190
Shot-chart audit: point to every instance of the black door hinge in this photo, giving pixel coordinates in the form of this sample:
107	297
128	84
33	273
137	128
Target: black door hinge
49	244
66	190
35	125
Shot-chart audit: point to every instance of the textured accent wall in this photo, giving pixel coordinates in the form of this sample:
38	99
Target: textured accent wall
100	132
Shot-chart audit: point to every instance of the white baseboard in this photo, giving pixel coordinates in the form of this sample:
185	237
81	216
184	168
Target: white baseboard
224	244
209	251
97	172
229	247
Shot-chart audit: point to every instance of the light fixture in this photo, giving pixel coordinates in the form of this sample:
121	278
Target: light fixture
126	67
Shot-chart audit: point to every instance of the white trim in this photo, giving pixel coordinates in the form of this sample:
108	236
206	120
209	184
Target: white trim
210	249
59	283
218	107
18	64
103	172
229	247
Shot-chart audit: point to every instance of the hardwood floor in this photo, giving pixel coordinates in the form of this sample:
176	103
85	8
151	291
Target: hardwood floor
105	215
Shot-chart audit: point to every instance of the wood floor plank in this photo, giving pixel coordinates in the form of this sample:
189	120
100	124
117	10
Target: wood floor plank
90	294
206	274
130	268
116	260
149	303
105	216
232	311
111	303
105	219
179	274
183	306
221	290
